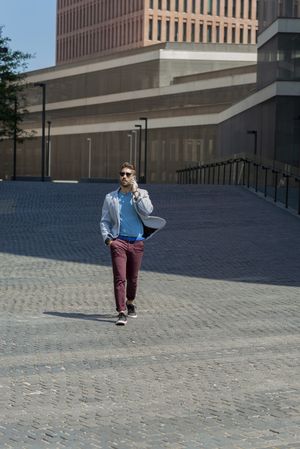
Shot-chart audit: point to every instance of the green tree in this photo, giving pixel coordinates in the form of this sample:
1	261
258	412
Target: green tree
12	104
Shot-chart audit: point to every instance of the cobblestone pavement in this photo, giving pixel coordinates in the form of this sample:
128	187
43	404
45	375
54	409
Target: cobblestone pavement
212	361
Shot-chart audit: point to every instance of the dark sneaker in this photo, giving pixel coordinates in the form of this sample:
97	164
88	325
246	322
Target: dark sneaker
131	311
122	320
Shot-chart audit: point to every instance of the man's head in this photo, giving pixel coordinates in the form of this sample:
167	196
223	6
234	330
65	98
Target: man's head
127	172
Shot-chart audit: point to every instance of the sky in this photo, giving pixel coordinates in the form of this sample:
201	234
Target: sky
31	26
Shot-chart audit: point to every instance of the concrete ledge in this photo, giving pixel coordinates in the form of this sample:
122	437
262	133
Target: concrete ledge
31	178
103	180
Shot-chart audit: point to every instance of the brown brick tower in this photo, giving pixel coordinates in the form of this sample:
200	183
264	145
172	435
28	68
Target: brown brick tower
91	28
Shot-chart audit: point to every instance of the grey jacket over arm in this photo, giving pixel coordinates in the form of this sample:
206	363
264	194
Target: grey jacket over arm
110	220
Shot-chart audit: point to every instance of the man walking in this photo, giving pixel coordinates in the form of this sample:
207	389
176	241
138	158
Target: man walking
125	225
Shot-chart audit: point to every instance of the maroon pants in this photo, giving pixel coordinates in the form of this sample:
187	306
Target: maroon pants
126	261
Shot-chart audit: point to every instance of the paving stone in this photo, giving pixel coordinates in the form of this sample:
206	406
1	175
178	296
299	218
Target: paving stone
211	362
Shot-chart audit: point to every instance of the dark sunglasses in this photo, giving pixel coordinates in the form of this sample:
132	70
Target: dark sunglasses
123	173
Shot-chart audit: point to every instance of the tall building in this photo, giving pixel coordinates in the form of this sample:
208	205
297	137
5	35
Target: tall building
91	28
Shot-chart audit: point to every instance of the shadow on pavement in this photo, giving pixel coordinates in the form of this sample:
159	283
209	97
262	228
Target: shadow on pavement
213	232
83	316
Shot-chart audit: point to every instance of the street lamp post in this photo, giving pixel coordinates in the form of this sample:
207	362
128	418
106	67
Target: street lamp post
145	119
49	149
43	86
15	140
89	140
130	147
134	132
140	148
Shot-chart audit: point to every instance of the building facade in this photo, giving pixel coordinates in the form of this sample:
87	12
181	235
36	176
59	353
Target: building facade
93	28
273	111
201	103
94	108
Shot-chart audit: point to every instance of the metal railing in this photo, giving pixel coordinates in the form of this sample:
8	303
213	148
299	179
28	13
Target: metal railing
281	185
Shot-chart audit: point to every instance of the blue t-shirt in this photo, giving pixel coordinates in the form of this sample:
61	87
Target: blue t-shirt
130	223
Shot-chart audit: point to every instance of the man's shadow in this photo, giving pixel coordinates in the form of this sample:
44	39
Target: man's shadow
108	318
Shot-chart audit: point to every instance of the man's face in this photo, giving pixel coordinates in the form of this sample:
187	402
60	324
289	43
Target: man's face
126	175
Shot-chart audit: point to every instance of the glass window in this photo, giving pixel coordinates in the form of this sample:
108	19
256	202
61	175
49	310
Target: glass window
241	35
226	8
269	10
249	35
289	63
193	32
209	33
150	33
201	32
209	6
159	30
201	6
249	9
193	6
168	5
242	9
225	34
184	32
185	6
168	30
218	33
176	31
233	8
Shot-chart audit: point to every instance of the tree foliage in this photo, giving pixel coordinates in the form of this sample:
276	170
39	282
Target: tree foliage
12	108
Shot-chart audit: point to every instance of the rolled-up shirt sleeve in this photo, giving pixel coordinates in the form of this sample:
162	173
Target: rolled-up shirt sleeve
143	203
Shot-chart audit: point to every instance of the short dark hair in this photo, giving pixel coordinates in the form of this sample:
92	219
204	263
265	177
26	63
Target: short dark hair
128	165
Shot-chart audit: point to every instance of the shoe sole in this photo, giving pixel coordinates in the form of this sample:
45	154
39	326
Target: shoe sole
132	316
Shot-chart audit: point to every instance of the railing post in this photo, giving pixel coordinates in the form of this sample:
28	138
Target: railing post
287	190
275	184
298	180
236	172
248	178
256	175
197	174
266	179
